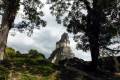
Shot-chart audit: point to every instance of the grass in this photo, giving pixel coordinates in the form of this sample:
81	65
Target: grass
27	67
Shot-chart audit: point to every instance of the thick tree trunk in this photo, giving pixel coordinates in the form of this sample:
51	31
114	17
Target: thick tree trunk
6	24
93	31
3	40
93	35
94	48
94	44
94	39
4	30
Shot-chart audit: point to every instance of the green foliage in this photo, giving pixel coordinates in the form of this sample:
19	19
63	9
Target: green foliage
6	5
3	73
35	54
10	53
80	17
27	76
32	11
29	64
33	16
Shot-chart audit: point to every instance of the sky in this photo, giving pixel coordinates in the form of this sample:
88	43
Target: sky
44	39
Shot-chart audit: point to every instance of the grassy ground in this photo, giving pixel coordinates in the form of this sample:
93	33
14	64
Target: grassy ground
30	66
34	66
27	70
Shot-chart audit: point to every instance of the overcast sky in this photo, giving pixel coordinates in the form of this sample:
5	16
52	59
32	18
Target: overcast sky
44	40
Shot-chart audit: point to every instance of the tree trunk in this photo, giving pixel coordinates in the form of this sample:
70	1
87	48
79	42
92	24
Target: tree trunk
4	30
94	43
93	31
94	48
7	23
3	41
93	35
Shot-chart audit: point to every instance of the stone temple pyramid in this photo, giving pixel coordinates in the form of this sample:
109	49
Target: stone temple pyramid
62	51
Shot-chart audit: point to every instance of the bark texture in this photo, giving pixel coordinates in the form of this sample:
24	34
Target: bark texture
8	18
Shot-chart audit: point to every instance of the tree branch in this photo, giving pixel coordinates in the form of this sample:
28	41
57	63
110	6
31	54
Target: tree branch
112	50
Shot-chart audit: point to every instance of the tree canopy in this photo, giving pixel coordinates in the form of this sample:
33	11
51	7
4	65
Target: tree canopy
32	13
76	12
32	18
98	20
